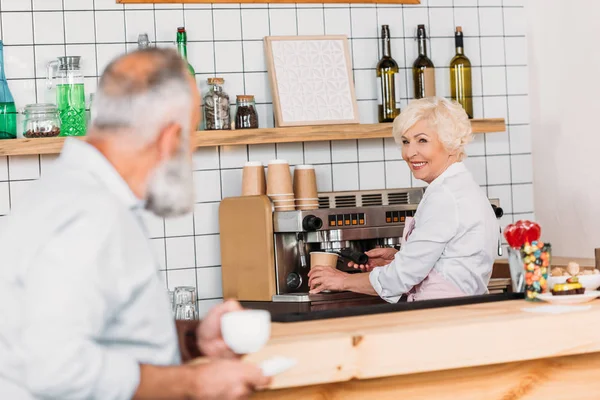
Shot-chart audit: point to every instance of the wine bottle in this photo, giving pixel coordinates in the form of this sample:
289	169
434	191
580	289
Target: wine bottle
182	48
460	75
387	70
423	68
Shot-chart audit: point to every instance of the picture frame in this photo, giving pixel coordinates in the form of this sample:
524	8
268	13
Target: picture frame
311	80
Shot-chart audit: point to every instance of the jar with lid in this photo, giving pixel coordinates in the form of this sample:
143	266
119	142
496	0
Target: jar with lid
40	120
216	106
246	116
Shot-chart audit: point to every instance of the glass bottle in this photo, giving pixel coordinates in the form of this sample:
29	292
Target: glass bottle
423	68
8	111
182	48
70	95
387	70
460	75
246	116
41	120
216	106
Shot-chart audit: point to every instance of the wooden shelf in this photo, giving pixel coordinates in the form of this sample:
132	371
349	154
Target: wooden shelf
268	1
16	147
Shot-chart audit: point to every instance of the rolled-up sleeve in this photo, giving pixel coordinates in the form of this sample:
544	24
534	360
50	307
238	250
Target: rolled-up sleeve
70	298
437	223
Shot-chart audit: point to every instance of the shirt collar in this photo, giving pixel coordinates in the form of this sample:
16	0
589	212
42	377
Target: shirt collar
84	156
454	169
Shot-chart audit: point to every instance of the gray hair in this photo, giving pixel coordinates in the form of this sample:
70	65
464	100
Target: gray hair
447	117
140	97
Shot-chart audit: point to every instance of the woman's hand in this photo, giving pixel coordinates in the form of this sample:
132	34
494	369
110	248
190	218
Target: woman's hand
326	278
377	258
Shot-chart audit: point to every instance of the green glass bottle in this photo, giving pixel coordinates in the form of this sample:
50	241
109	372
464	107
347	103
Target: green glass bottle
423	68
182	48
387	70
460	75
8	111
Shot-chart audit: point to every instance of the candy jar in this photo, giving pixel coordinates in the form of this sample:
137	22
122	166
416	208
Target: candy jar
528	259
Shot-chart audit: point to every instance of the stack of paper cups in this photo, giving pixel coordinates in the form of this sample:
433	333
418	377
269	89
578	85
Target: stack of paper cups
305	187
253	179
279	185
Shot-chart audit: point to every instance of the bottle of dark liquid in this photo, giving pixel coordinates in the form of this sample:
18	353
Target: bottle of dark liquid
460	75
423	69
387	70
8	111
182	48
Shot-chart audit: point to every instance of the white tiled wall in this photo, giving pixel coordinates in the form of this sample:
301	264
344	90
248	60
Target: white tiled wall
226	40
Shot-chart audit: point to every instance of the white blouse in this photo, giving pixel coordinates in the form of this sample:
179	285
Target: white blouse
455	234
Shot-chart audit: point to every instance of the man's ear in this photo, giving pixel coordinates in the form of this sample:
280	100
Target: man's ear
169	141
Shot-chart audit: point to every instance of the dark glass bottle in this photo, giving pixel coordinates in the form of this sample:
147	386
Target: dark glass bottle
423	68
8	111
387	70
460	75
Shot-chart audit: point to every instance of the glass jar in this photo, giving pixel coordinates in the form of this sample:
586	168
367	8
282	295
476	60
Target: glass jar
216	106
246	116
40	120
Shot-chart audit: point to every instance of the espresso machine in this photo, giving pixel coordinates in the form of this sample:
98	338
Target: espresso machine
265	255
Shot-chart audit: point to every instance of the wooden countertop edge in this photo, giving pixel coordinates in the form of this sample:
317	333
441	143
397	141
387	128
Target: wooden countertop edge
412	342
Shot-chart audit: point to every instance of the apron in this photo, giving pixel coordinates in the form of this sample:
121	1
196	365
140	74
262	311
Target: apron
434	286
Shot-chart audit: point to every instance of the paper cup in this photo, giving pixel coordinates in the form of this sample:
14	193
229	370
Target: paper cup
323	259
279	177
305	182
253	179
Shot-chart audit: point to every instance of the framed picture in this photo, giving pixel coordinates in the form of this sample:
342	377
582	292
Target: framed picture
311	80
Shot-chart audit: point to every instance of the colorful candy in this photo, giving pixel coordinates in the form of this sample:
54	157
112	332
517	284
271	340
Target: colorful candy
536	259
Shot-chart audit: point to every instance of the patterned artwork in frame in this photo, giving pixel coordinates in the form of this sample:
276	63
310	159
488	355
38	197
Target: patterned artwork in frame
311	80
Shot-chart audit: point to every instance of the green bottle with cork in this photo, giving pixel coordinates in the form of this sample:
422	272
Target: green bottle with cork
8	111
182	48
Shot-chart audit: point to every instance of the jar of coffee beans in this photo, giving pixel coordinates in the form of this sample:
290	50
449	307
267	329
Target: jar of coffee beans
246	116
40	120
216	106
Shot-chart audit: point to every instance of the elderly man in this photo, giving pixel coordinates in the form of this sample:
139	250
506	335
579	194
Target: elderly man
84	312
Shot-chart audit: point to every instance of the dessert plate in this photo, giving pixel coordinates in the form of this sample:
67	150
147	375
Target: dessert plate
589	295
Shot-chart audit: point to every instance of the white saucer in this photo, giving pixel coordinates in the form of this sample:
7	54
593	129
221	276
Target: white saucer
589	295
277	365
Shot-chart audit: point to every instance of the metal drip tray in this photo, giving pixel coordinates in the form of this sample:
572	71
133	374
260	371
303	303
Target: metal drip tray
305	297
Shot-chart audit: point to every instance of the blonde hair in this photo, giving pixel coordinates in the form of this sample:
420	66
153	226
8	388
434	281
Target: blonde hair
447	117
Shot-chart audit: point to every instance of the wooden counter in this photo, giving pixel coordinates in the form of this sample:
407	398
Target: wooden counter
481	352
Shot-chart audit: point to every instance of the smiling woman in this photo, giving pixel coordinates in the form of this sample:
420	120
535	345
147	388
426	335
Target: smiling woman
450	244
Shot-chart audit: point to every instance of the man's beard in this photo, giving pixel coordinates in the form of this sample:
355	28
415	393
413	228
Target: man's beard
171	188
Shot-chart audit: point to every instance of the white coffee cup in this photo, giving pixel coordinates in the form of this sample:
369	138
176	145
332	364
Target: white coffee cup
246	331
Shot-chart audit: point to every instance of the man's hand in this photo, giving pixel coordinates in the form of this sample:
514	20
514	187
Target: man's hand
210	340
377	258
226	380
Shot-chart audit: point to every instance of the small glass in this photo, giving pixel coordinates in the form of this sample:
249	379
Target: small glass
246	116
185	295
40	120
186	312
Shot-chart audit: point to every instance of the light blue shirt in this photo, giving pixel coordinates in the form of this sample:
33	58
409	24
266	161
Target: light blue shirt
455	234
81	301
